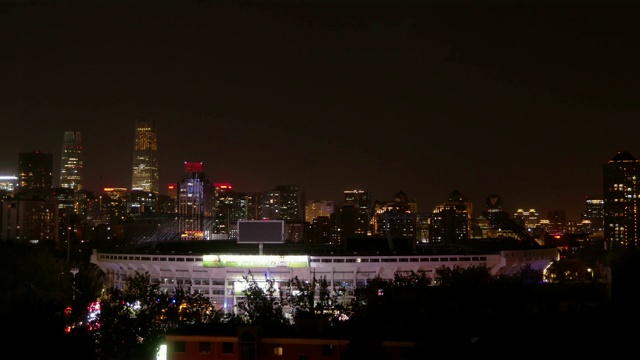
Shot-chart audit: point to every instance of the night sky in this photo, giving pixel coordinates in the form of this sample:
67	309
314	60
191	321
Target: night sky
525	101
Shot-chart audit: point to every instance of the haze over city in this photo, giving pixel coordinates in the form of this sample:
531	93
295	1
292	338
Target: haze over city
525	101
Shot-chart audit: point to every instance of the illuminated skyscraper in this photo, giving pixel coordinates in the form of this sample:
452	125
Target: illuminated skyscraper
621	190
145	158
196	204
72	162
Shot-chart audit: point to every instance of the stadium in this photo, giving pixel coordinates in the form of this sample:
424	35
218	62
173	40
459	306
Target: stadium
218	268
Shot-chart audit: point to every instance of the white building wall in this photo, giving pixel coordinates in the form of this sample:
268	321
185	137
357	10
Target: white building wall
220	284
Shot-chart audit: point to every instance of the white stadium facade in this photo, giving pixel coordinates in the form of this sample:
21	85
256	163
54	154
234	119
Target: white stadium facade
218	268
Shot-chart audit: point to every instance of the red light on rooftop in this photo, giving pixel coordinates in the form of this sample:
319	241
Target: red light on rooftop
193	167
225	186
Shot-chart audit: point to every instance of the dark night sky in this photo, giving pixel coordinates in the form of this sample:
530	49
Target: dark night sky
525	101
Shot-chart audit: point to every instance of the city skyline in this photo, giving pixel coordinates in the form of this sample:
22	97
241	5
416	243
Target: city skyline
421	99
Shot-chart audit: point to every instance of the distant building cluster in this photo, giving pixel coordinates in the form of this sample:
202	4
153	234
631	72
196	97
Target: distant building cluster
196	208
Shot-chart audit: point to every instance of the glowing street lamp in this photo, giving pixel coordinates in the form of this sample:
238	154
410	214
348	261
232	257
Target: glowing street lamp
74	271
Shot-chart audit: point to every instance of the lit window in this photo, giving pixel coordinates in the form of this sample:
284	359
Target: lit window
277	351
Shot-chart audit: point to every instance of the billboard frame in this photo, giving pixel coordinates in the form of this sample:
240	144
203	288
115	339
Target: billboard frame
253	238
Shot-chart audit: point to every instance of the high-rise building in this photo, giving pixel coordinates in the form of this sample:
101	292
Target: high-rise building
29	221
397	218
450	222
594	214
357	211
196	204
145	158
620	177
231	207
285	202
35	170
315	208
72	161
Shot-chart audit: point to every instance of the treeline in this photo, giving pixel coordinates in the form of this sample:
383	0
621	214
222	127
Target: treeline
458	313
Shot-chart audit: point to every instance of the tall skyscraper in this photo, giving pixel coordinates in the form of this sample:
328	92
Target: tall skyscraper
620	177
72	161
196	204
35	170
145	158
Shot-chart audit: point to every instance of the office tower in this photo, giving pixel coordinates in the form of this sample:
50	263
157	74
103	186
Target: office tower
356	212
168	204
141	203
254	205
145	158
450	222
113	205
620	191
285	202
231	206
35	170
29	220
314	208
594	214
397	218
196	204
72	161
320	230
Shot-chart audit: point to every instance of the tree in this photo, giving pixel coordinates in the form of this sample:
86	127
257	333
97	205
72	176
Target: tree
134	319
39	290
263	305
303	299
473	276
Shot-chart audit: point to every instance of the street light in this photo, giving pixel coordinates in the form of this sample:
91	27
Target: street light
74	271
590	271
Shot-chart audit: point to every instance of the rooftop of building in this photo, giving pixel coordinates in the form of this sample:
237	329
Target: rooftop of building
361	246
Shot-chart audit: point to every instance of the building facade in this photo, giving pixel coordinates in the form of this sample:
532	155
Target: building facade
620	177
315	208
356	213
145	157
450	222
196	204
219	274
29	220
72	161
594	214
35	170
285	202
